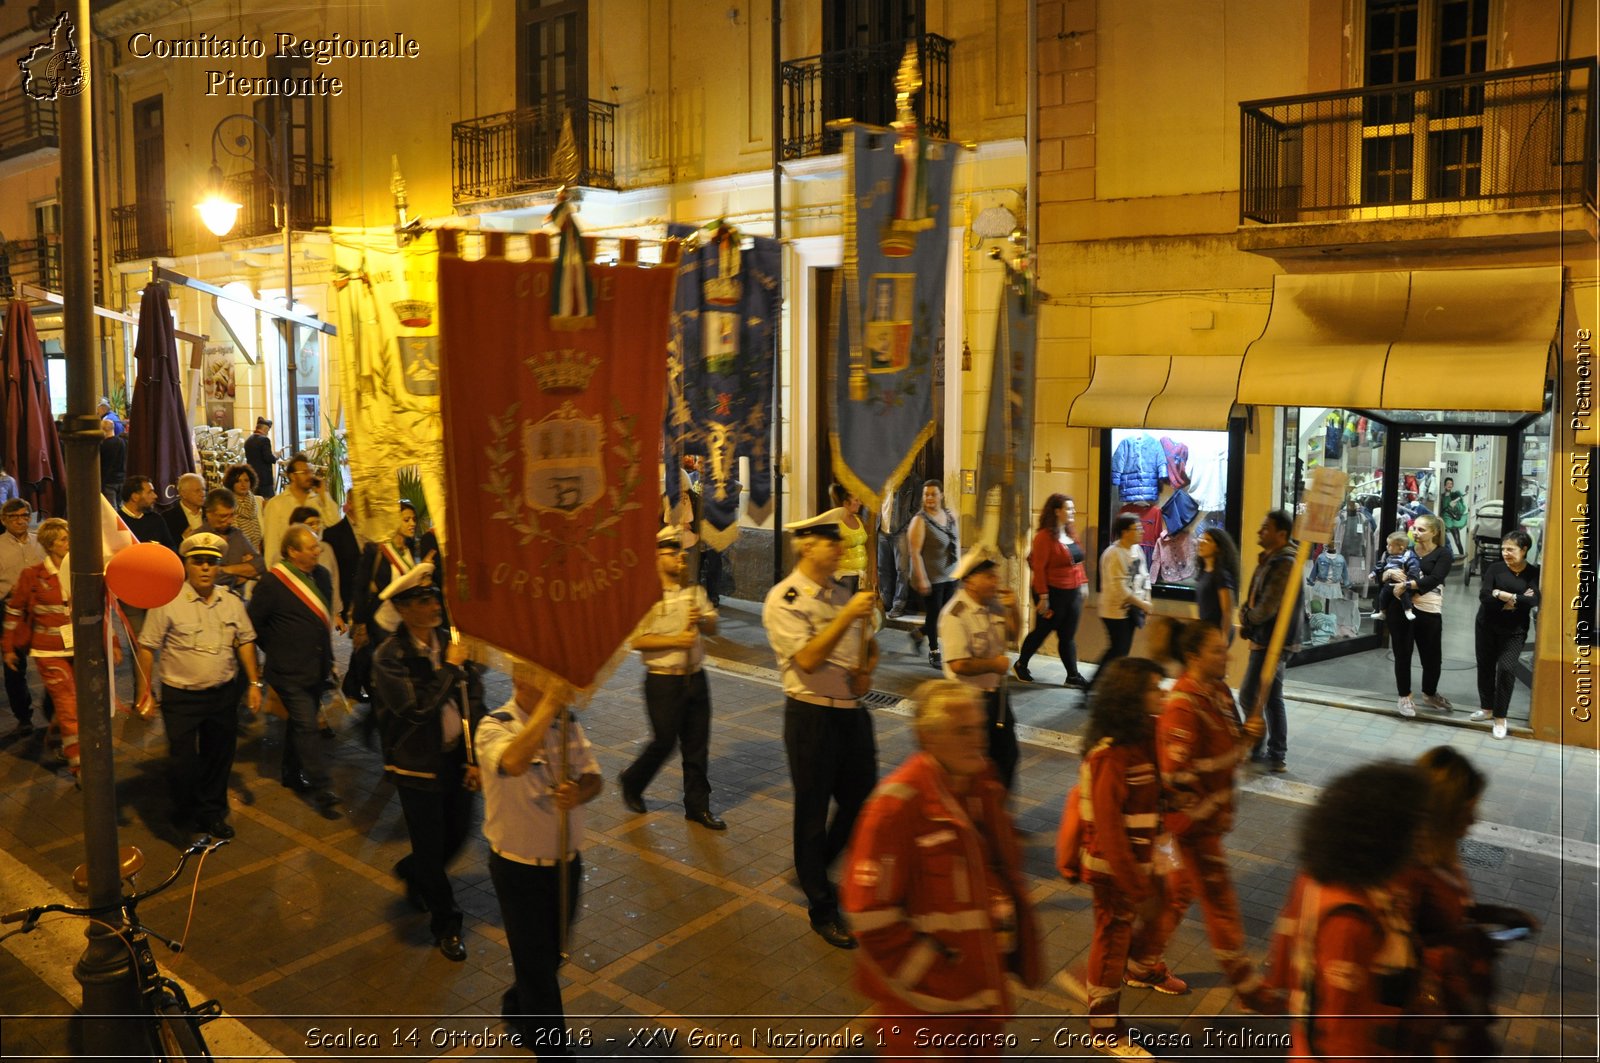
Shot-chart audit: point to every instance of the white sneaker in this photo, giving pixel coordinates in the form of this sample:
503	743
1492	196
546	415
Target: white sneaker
1479	716
1500	728
1376	614
1407	706
1410	615
1073	983
1437	701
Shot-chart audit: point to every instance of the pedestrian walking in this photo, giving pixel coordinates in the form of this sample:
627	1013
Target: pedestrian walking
1058	581
429	698
974	628
1124	589
936	890
19	551
933	542
207	648
821	636
1199	742
676	696
1257	616
38	621
538	772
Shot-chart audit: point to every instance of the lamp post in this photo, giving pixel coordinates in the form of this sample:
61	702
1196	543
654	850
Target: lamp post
218	212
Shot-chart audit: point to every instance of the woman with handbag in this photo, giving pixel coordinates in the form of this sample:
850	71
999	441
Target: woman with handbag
933	540
1124	589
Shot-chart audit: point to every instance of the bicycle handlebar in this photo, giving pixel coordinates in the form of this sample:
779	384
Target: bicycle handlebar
30	916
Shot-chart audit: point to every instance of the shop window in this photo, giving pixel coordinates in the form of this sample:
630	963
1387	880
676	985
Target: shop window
1178	483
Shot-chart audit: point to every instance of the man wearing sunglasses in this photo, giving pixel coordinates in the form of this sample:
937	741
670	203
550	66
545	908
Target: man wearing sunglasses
206	641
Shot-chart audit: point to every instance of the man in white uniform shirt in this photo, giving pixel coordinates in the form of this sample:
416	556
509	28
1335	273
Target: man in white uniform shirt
530	783
675	692
18	550
975	627
821	635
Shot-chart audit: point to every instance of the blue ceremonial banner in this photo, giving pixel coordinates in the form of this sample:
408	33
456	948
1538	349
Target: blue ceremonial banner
889	309
1007	453
719	373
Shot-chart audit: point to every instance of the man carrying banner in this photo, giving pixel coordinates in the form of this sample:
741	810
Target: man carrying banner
675	693
973	629
1257	616
827	656
293	617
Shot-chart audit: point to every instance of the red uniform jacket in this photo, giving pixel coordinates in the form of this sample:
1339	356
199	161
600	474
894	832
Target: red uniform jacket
1199	742
36	612
1120	816
926	869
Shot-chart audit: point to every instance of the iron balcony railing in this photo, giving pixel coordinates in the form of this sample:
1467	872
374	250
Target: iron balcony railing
26	124
37	262
858	83
513	153
310	199
141	230
1479	142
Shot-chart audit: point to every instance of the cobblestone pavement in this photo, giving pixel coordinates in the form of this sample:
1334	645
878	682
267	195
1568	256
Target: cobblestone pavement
691	944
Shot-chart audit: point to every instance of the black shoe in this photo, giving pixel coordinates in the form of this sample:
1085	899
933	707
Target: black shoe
297	782
633	802
1076	682
833	932
19	732
216	828
707	819
934	660
1020	670
327	803
451	947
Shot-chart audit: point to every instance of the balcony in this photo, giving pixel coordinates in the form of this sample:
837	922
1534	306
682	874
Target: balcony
37	262
141	230
311	198
858	83
1426	151
512	153
26	125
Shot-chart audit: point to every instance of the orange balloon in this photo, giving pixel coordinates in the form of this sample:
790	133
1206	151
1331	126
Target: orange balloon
145	575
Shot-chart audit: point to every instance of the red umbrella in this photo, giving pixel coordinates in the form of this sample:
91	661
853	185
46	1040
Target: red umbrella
32	447
159	439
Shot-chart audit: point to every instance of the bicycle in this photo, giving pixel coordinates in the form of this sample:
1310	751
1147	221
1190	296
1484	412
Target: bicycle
173	1026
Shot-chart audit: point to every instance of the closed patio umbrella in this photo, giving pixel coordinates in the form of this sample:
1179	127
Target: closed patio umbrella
160	442
31	445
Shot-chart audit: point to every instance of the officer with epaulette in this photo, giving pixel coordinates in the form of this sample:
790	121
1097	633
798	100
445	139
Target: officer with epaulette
975	627
823	640
675	693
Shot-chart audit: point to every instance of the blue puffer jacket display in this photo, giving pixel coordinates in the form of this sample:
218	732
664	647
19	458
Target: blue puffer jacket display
1138	467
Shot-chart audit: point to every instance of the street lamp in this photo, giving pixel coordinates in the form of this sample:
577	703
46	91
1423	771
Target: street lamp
219	211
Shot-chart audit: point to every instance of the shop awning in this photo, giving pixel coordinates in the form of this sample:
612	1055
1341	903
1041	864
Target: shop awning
1326	341
1199	393
1475	339
1120	392
1457	339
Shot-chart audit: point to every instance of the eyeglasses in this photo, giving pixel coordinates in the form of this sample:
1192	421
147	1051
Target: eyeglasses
205	561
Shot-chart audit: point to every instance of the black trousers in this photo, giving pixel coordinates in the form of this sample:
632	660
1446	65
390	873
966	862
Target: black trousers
202	736
891	590
1497	652
1066	607
832	758
939	595
680	716
1002	736
530	898
1119	640
1426	634
302	741
438	822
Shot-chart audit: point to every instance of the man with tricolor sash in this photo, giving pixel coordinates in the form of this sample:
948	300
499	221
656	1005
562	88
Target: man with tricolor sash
292	613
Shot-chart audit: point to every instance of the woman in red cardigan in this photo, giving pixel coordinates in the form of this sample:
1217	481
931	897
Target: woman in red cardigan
1056	562
39	618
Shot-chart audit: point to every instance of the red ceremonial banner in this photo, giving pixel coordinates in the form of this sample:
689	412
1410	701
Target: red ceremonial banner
552	430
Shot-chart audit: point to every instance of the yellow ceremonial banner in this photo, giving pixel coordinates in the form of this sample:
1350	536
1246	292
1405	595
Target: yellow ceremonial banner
388	304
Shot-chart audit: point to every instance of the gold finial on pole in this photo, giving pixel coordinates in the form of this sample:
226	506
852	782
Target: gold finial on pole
565	165
907	83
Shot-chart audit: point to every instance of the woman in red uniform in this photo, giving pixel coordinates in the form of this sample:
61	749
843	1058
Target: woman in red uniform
1344	948
39	618
1056	563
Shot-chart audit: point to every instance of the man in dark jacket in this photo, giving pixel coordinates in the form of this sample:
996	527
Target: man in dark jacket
259	456
1257	615
292	613
429	698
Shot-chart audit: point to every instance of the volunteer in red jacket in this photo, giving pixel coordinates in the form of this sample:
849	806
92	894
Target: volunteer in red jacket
936	892
1199	743
39	622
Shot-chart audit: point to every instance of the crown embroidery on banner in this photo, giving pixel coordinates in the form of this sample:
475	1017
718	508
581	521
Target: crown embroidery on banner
558	372
413	313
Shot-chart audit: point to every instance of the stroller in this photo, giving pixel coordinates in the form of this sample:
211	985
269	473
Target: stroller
1486	524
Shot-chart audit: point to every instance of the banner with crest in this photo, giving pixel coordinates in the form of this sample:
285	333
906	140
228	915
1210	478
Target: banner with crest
389	369
1006	457
719	373
553	388
888	318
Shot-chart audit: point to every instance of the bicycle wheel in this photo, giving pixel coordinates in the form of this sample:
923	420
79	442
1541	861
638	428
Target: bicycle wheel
177	1036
